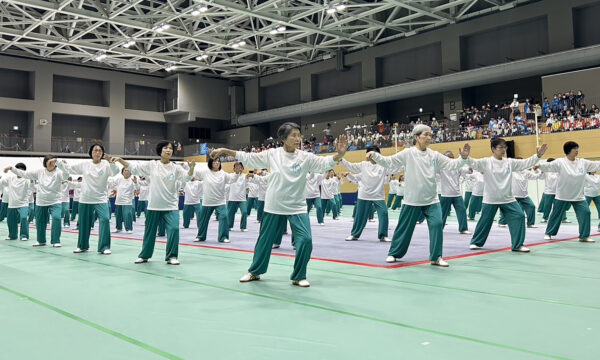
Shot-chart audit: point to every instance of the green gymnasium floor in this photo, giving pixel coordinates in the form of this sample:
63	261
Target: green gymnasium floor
56	304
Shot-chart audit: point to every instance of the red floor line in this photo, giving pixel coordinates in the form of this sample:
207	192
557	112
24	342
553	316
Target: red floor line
395	266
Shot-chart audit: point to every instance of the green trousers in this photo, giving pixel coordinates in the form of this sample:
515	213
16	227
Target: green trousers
528	208
325	203
124	214
397	202
66	214
363	208
204	218
316	202
189	210
548	204
542	203
232	208
251	203
467	198
282	230
407	220
171	220
596	200
41	220
582	212
513	214
31	212
338	201
260	210
475	205
13	218
75	210
141	206
86	212
459	207
3	210
269	230
390	200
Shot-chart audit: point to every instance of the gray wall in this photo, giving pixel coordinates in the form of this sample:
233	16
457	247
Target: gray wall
139	129
584	80
334	83
70	126
278	95
416	64
500	93
10	118
204	97
145	98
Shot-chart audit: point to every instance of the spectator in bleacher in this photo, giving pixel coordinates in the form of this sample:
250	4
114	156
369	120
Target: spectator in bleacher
514	105
546	107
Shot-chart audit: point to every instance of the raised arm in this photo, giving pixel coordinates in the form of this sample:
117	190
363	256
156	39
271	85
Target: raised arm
395	161
320	164
522	164
31	175
591	166
354	167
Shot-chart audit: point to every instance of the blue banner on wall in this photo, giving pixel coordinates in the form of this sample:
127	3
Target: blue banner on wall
203	149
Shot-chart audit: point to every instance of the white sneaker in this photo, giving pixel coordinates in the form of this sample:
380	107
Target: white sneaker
544	220
471	219
522	249
106	252
249	277
243	230
66	226
336	219
301	283
385	239
466	232
286	233
419	222
587	239
502	225
371	220
321	224
547	237
566	221
57	245
230	229
226	241
116	231
173	261
9	239
531	227
140	260
129	232
24	239
38	244
440	262
275	246
474	247
351	238
78	250
390	259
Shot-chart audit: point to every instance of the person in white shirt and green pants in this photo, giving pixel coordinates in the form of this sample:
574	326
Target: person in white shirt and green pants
285	199
569	190
18	204
421	198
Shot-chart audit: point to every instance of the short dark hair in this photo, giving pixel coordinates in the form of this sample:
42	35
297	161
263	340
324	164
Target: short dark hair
285	129
163	144
123	169
550	160
238	163
46	158
21	166
210	162
497	141
92	148
569	145
373	148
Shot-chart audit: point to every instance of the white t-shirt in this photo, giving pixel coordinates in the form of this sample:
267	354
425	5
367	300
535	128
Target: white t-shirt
125	190
49	184
213	183
520	182
287	182
95	179
373	179
237	189
163	179
193	192
571	176
17	189
592	185
313	181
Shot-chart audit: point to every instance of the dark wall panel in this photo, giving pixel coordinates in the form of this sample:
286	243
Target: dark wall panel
335	83
10	118
79	91
416	64
502	92
504	44
405	110
73	126
144	98
16	84
585	25
278	95
139	129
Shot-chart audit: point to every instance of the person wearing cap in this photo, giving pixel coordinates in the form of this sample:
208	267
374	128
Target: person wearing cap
371	194
498	194
284	200
93	198
421	164
571	172
48	198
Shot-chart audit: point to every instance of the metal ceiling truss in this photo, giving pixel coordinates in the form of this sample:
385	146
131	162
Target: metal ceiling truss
224	38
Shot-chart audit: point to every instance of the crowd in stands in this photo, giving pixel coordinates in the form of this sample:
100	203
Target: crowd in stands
565	112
